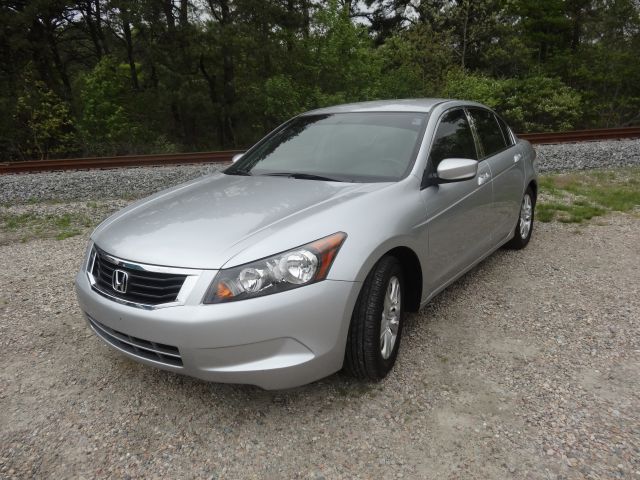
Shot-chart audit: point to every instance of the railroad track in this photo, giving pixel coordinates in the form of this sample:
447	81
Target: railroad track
583	135
225	156
118	162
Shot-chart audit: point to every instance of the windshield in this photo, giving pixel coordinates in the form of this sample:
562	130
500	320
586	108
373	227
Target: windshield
349	147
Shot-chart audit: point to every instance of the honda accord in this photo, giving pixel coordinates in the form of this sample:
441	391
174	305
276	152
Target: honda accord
304	256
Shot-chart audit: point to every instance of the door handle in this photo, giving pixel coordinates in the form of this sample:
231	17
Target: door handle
517	157
483	178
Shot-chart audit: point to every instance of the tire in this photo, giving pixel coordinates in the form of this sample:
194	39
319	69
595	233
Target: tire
367	355
522	235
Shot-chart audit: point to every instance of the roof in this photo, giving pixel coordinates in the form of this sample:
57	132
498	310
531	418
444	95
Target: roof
399	105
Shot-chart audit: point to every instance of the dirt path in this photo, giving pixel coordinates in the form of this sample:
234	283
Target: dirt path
529	367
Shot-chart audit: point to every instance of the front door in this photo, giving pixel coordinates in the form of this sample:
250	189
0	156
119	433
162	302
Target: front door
458	213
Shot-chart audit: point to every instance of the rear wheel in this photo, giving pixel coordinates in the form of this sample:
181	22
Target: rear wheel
524	227
376	323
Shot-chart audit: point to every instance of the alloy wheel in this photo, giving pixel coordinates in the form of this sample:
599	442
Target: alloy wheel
390	317
526	216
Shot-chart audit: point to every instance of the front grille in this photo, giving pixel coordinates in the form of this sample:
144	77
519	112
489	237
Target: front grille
145	287
157	352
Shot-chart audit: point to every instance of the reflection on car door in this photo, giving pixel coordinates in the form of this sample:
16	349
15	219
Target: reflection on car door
458	213
507	167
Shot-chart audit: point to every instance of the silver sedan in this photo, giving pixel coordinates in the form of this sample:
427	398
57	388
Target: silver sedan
305	255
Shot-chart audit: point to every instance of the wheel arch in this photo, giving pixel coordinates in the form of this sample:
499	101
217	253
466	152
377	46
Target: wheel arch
533	184
412	271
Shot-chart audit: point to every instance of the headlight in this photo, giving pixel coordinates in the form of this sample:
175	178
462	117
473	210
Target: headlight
294	268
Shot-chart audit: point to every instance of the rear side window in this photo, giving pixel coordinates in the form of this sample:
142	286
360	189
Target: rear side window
453	139
489	131
505	131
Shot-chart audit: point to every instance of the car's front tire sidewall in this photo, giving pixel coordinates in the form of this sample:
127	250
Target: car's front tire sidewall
363	356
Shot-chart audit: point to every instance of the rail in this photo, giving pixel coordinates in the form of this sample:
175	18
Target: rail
582	135
118	162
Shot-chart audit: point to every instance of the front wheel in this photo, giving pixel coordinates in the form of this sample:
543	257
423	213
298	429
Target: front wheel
524	227
376	323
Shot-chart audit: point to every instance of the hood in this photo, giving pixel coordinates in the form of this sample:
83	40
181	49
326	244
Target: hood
203	223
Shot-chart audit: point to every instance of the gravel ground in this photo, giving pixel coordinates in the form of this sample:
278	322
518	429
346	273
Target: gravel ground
140	182
528	367
586	155
97	184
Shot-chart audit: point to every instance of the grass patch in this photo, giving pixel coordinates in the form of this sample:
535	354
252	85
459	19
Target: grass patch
579	196
26	226
573	213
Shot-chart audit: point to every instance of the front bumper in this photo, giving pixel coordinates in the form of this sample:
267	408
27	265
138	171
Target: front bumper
277	341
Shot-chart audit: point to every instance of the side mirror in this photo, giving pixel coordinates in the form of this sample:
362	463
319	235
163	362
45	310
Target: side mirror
236	157
457	169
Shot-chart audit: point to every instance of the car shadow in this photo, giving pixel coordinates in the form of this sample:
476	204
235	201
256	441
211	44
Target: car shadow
336	387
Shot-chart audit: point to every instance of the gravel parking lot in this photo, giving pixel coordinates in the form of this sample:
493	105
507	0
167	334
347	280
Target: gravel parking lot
528	367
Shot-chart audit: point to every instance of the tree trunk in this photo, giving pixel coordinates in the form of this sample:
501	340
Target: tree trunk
87	13
228	76
464	36
98	23
266	56
184	13
306	18
126	27
213	96
290	25
57	61
167	8
576	29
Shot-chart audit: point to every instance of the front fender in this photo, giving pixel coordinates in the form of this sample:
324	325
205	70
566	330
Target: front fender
398	220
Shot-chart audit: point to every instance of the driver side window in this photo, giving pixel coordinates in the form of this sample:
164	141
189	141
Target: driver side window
453	139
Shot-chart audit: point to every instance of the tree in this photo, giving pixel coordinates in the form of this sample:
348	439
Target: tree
129	76
535	103
44	120
112	119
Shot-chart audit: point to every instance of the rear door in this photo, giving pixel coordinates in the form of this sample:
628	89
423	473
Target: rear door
499	151
458	213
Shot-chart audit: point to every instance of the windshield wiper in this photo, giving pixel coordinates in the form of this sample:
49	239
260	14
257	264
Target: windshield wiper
302	176
244	173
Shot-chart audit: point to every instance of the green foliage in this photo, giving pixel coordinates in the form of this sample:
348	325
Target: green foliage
105	97
539	103
343	66
535	103
45	125
103	78
479	88
403	74
282	98
413	64
112	112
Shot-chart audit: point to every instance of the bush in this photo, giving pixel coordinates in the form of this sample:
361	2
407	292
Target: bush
342	64
532	104
539	103
112	116
477	88
412	64
282	98
45	123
